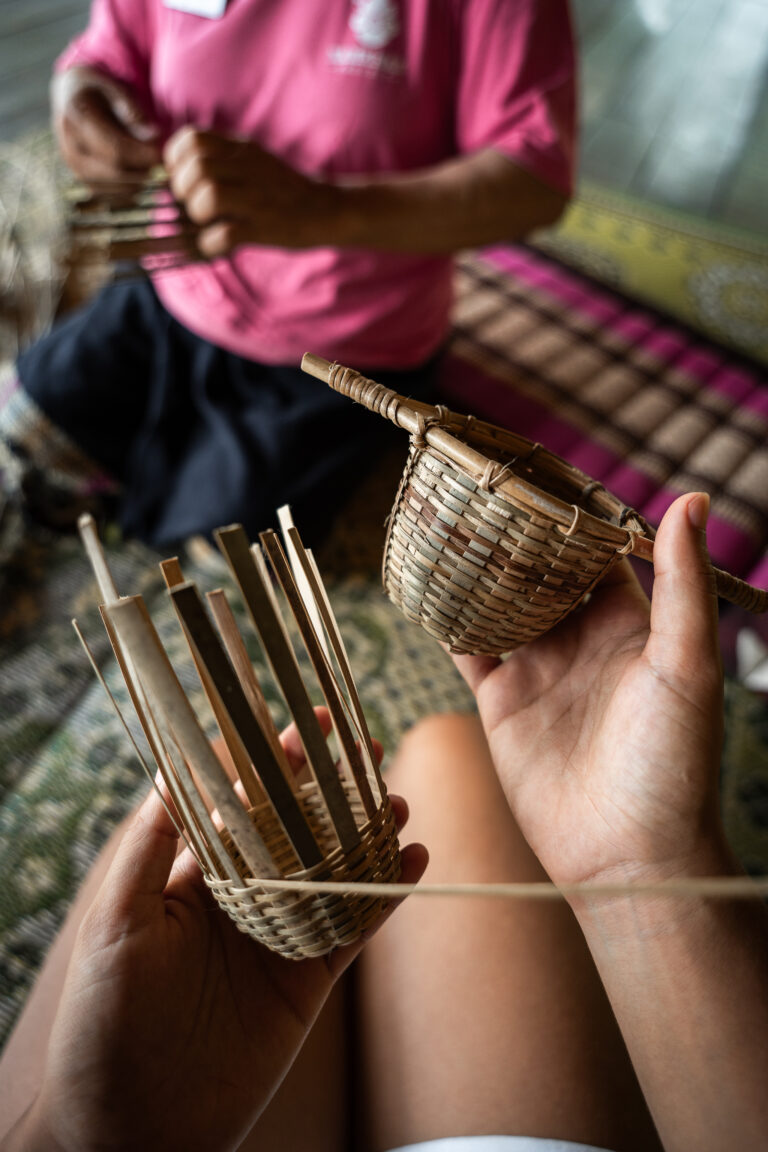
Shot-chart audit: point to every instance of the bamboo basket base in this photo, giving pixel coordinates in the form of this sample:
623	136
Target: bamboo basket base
306	924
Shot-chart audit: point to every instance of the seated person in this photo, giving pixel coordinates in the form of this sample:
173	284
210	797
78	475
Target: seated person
631	1022
333	157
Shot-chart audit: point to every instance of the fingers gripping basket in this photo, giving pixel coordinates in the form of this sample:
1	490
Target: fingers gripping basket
492	539
260	829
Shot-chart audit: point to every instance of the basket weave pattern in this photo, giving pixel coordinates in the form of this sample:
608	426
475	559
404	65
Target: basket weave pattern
477	572
303	925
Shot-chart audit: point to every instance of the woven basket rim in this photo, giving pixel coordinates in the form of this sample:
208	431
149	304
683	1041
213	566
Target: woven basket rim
626	529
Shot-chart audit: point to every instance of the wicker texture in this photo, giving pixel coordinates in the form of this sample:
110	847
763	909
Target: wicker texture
492	539
475	571
311	924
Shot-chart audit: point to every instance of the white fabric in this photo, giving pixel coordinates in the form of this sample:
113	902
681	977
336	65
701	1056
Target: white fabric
497	1144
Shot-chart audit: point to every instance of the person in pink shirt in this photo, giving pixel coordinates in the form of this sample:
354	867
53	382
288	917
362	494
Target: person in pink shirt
334	156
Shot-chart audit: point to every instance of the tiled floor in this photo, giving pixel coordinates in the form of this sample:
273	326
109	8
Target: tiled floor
674	95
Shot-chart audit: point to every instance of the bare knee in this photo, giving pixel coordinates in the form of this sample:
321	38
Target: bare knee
434	751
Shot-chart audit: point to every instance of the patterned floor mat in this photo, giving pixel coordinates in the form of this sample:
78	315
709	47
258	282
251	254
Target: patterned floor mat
711	277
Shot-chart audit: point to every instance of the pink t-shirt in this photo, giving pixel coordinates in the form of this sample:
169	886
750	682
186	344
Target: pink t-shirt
339	88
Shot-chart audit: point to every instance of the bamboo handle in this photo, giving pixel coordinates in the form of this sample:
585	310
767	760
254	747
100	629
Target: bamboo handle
407	414
740	593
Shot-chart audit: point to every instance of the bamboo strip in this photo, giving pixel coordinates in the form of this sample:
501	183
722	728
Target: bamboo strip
241	662
172	816
294	547
219	672
204	842
138	635
327	682
235	547
178	775
333	631
706	887
299	559
174	577
189	808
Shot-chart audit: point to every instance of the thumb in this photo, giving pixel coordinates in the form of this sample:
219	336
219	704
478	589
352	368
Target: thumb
125	109
139	872
684	636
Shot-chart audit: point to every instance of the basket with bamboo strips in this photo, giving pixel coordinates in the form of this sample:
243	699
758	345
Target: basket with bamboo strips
261	828
492	539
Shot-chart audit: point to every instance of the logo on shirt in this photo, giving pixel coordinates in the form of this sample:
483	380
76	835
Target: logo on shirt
374	24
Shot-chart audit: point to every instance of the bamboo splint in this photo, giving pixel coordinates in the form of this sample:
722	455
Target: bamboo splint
492	539
125	223
329	823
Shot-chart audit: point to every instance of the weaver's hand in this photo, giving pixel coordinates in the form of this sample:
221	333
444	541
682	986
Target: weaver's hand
174	1028
606	732
102	132
240	194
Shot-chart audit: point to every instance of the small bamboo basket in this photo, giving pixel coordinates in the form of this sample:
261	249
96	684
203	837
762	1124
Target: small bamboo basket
262	828
492	539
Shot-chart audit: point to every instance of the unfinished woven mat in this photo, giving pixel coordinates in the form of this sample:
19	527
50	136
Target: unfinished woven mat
492	539
258	830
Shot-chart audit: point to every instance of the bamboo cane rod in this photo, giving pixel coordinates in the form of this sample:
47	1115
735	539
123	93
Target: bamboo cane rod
411	416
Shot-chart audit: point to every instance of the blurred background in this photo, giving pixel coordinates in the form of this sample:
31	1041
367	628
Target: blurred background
674	95
673	175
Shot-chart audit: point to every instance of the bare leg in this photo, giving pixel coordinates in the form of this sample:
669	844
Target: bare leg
481	1016
310	1110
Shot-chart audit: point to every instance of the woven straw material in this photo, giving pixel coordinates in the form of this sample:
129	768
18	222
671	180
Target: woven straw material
302	925
477	572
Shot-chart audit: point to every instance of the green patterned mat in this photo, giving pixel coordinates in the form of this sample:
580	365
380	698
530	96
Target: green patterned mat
713	278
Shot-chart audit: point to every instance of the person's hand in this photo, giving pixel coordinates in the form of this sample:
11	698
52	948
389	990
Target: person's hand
237	193
102	132
174	1028
606	732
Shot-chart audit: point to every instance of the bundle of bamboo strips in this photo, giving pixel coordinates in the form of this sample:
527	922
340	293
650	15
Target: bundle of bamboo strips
129	225
332	822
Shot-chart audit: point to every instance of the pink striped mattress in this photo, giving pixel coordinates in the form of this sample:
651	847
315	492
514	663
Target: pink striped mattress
635	400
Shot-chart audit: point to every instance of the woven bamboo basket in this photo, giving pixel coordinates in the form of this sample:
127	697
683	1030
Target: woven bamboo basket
492	539
260	829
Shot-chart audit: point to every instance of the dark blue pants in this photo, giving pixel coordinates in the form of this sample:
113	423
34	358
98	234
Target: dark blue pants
197	436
